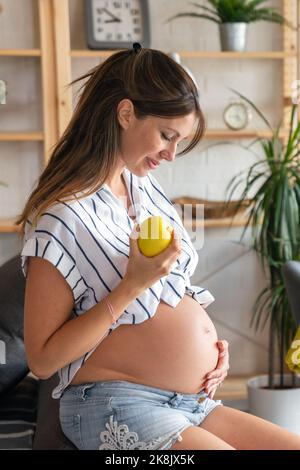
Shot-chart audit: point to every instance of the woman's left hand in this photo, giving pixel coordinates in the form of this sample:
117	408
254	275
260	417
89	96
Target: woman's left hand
215	378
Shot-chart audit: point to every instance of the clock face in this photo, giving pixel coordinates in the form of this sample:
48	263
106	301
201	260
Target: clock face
237	116
117	23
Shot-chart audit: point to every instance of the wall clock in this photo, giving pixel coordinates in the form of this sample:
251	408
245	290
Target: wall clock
116	24
237	115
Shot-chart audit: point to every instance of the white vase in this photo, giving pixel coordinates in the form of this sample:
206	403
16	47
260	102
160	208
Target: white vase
280	406
175	56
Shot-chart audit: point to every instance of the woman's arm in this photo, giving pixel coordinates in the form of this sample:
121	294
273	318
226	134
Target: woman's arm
52	340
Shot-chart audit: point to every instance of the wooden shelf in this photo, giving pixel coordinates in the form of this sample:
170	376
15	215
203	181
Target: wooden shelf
209	134
237	55
20	52
21	136
238	221
7	226
87	53
244	134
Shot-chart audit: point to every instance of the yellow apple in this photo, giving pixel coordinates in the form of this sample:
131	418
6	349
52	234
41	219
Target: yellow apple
155	235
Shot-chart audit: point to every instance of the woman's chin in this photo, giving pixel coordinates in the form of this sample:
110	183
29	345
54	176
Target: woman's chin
141	170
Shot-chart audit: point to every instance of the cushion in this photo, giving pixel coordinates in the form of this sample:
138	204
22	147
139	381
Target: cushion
18	415
13	365
48	435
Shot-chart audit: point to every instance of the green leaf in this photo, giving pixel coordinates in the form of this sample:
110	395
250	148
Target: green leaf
255	3
214	12
274	185
261	305
192	15
233	11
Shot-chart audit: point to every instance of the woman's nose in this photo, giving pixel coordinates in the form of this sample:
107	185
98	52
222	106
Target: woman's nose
169	154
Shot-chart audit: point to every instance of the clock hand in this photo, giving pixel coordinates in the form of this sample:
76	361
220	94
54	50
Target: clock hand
114	19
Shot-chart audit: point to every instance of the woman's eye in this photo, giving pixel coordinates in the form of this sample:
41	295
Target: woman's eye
165	137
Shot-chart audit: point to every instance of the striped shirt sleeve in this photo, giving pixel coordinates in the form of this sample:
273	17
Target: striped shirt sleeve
50	241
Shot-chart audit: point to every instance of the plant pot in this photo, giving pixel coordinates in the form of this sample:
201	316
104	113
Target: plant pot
233	36
280	406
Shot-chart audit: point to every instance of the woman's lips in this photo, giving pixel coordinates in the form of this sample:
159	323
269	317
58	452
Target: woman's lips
152	163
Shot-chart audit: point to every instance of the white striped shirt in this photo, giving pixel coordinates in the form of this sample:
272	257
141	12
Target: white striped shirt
87	240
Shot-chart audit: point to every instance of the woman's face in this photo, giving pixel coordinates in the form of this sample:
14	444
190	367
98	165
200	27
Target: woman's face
147	142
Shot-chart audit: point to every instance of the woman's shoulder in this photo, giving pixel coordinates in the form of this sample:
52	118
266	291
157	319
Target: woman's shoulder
60	209
56	214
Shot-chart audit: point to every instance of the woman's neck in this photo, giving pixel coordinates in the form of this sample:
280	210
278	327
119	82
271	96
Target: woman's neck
116	181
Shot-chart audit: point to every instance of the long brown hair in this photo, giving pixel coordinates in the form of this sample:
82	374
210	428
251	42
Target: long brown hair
87	151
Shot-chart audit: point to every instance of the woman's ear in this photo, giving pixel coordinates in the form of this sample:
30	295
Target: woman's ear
125	113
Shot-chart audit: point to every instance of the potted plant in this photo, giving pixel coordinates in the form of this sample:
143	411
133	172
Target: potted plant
233	17
273	185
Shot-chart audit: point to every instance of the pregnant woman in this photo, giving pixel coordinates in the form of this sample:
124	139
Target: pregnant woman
137	355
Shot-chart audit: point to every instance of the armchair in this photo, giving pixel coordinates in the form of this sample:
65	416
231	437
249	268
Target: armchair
29	416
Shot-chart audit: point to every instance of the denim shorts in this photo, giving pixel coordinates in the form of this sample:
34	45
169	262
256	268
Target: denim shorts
121	415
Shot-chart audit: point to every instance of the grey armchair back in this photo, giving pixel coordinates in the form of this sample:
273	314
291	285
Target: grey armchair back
291	274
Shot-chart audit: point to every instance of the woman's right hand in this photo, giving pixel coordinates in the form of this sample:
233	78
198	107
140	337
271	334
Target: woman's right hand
143	271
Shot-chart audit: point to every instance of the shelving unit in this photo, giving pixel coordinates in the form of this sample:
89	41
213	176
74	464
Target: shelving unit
225	222
245	134
201	54
20	52
48	135
8	226
288	53
45	54
21	136
56	57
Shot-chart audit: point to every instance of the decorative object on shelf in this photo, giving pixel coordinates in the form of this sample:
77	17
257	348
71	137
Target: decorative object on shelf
274	215
175	56
233	17
237	115
116	24
212	209
2	92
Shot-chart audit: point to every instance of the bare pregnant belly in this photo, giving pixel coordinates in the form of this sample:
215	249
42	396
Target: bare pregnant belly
174	350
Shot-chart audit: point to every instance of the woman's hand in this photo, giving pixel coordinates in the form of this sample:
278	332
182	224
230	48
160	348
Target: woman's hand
142	271
215	378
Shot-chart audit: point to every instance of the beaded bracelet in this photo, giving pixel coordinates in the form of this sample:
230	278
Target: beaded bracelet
111	310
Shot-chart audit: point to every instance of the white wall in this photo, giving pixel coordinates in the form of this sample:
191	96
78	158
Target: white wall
227	268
